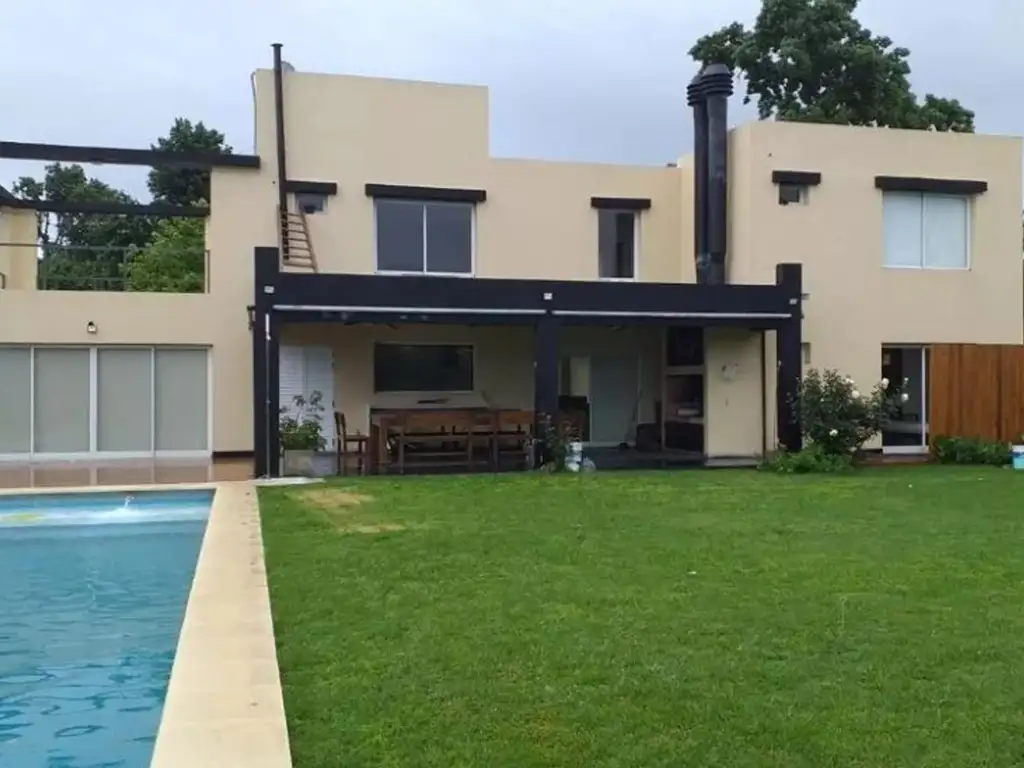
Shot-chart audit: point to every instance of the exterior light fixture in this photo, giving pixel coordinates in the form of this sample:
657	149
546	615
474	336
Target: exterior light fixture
91	328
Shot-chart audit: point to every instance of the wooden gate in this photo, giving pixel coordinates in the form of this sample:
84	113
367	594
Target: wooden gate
976	390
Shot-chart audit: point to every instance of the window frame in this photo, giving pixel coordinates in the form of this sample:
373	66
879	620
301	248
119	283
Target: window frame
398	343
423	203
636	243
922	234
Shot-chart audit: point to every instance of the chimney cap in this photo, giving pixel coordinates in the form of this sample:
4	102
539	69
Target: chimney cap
716	80
695	90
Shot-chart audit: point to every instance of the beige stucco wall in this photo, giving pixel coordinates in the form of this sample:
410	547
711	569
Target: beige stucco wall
537	221
18	261
216	319
855	304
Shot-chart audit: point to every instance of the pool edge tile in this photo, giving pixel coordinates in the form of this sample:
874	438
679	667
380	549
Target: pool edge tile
225	683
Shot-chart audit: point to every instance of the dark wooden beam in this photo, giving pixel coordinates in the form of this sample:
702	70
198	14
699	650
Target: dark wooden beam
930	186
154	158
296	187
621	203
116	209
799	178
441	194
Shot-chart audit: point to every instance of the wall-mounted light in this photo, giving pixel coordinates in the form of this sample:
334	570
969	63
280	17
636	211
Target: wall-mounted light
251	312
91	328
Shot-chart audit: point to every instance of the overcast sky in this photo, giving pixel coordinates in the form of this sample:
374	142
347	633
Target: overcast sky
596	80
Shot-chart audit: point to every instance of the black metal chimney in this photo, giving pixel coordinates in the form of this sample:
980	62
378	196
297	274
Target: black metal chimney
716	85
282	153
695	98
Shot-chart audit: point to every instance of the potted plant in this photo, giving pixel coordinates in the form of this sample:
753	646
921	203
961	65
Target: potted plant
302	438
562	448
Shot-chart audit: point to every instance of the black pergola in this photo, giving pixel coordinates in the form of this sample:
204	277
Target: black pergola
544	305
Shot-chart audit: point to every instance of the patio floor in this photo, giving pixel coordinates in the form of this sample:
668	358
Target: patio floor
77	474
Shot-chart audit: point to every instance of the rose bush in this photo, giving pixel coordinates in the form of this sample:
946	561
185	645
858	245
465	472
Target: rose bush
837	417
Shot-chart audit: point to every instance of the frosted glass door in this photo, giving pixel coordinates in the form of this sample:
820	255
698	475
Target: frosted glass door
124	400
181	382
614	386
63	384
15	396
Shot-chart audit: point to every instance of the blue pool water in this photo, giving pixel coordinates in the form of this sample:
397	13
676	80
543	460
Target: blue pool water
92	595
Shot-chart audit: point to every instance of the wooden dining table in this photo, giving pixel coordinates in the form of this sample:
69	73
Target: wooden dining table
384	421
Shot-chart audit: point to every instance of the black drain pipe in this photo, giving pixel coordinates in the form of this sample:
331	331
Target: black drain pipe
696	99
282	162
716	84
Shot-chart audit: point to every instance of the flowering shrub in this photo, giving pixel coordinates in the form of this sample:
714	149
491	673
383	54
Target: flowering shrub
837	417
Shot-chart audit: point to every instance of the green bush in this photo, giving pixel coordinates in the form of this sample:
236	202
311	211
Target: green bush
813	458
970	450
839	418
303	430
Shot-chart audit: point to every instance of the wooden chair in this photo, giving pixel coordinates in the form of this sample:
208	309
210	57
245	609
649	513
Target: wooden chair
512	436
437	438
356	445
482	430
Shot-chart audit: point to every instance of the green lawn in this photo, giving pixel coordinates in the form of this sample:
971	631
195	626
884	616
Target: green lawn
687	618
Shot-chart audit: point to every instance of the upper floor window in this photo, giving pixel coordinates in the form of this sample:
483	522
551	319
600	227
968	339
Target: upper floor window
310	202
926	230
424	237
791	194
617	238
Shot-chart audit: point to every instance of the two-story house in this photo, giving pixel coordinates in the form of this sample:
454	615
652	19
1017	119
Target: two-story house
371	249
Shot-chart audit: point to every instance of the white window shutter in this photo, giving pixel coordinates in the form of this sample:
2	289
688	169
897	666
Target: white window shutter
292	376
319	377
946	231
902	214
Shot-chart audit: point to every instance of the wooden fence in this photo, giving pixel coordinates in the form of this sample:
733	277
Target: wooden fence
976	390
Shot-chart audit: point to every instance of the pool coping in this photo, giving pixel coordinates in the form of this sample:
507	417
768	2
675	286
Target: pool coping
224	704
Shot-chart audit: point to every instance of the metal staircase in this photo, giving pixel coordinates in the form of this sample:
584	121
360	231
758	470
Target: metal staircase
296	244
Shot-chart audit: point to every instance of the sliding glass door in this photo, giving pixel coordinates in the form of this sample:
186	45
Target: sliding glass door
124	400
61	405
104	402
907	367
15	396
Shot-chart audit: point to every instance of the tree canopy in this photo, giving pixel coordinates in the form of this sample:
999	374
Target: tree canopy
113	252
184	186
812	61
173	262
81	251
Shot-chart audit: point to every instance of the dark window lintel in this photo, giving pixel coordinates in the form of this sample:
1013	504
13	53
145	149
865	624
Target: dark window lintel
296	187
797	178
440	194
621	203
930	185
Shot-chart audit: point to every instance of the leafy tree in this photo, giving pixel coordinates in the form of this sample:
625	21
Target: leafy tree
185	186
86	251
81	251
174	262
812	61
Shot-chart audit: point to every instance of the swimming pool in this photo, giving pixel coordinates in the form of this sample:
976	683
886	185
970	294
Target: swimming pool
93	590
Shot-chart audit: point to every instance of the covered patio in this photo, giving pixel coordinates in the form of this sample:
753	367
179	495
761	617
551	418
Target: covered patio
534	329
